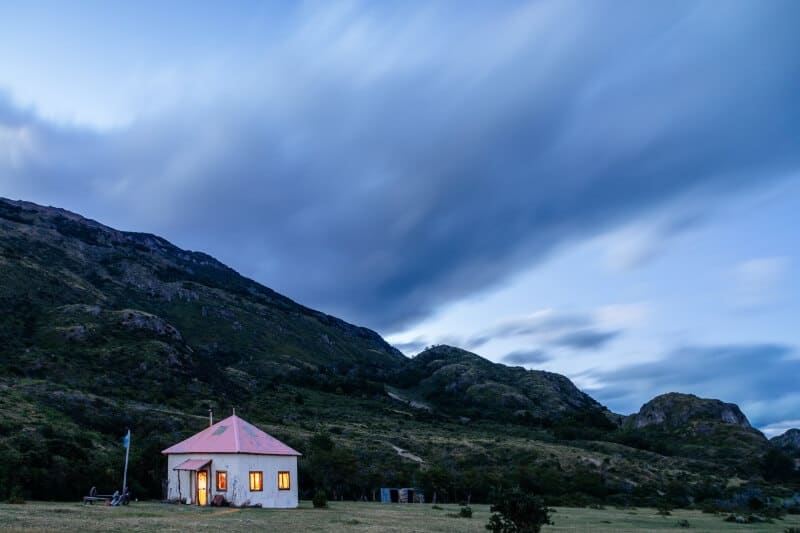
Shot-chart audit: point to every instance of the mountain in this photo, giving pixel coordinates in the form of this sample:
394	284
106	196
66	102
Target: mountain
789	440
86	277
468	384
688	426
675	410
103	330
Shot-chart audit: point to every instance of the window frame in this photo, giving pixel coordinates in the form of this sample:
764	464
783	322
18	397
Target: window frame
288	480
224	474
259	474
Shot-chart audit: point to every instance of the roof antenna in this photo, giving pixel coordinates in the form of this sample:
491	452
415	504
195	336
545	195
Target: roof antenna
210	417
234	411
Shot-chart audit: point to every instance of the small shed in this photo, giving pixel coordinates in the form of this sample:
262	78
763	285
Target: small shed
403	495
236	460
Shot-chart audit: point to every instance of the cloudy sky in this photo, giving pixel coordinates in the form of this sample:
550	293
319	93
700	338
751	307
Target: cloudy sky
604	189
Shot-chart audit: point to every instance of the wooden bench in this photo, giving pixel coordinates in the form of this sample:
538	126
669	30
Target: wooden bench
97	498
107	498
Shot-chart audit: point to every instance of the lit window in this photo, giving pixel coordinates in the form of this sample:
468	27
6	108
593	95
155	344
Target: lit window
256	481
283	481
222	480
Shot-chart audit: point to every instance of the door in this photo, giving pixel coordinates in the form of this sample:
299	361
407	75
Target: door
202	487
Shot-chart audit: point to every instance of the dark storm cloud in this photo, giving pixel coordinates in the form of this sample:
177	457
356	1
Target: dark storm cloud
526	357
761	378
380	178
586	339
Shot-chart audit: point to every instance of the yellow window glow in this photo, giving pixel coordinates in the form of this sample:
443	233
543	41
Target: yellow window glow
256	481
222	480
283	481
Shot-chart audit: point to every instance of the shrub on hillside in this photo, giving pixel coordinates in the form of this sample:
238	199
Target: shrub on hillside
516	511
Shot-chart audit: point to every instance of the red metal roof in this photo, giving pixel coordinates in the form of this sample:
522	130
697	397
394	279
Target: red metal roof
192	464
232	435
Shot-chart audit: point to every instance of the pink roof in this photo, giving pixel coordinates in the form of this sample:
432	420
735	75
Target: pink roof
232	435
192	464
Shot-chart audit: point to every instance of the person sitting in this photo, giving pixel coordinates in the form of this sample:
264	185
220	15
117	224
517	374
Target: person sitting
115	498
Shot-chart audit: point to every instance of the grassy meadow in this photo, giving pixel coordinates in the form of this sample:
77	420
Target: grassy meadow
342	516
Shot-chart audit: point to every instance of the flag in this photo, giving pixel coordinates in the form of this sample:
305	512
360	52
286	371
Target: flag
126	440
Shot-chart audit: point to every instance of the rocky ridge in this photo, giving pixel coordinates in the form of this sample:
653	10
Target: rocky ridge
790	439
676	409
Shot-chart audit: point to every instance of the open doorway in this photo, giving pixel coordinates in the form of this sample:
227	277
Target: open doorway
202	487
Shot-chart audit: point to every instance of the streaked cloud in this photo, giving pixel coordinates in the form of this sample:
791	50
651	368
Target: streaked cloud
412	346
635	245
586	339
573	330
544	321
378	161
781	427
761	378
526	357
622	315
757	282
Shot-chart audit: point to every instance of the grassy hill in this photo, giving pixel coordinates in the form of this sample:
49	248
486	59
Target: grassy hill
103	330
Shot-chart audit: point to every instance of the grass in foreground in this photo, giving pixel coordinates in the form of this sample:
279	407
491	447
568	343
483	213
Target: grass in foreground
341	516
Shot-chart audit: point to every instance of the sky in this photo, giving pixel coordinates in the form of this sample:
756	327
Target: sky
606	190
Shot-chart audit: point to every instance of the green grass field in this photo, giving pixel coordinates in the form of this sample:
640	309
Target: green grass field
341	516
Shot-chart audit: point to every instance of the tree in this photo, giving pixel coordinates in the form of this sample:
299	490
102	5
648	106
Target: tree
516	511
435	480
777	466
332	468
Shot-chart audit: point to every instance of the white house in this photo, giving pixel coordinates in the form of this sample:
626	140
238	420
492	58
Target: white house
237	460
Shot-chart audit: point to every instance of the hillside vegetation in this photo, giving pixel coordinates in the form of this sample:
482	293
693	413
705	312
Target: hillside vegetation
103	330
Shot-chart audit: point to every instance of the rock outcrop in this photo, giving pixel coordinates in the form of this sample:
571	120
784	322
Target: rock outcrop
675	409
790	440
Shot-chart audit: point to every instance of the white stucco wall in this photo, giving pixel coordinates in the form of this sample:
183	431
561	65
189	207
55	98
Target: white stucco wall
238	467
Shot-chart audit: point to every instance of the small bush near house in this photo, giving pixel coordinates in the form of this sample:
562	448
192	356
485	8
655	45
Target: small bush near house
320	500
465	512
516	511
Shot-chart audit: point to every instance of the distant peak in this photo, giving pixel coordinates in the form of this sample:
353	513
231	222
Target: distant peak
676	409
789	439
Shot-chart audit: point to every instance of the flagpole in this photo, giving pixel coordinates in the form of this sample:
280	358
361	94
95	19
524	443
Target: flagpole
125	475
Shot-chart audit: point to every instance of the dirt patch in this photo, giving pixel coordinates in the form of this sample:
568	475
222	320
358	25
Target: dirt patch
406	454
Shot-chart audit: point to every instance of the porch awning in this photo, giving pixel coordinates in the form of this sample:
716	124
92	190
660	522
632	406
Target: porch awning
192	464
